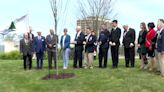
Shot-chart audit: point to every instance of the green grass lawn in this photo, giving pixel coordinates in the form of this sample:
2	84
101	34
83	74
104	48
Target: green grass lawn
14	79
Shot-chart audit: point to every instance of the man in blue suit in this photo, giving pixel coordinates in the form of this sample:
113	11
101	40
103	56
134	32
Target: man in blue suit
65	46
160	45
39	45
103	42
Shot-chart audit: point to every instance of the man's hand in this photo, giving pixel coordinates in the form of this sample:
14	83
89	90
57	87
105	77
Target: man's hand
139	46
131	44
50	45
84	43
99	43
74	42
110	43
113	44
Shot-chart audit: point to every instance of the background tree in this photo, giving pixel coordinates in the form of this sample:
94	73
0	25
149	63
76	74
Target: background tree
98	10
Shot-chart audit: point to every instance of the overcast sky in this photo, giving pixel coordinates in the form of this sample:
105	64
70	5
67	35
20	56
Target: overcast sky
130	12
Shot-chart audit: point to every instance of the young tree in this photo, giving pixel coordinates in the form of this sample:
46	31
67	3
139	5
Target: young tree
58	8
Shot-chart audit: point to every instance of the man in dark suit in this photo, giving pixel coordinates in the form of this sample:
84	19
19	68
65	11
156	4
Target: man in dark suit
160	45
129	45
103	42
89	48
51	42
79	38
30	34
26	49
115	43
39	45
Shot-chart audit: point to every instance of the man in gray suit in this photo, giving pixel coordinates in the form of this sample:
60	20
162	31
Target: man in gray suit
51	42
26	49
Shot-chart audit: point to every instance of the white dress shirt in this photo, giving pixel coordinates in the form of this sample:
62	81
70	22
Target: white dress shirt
63	40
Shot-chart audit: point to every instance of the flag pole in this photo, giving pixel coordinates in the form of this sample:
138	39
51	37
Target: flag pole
27	23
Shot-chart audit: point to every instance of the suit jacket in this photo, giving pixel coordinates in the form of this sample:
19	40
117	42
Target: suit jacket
79	40
66	42
115	36
39	45
52	41
104	37
26	48
142	37
160	42
29	35
128	38
90	45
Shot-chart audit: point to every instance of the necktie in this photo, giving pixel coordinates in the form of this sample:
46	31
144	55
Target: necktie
125	33
76	36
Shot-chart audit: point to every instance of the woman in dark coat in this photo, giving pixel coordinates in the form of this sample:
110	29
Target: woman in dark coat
141	45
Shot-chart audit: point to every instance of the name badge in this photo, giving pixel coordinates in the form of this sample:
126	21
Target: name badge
90	38
54	46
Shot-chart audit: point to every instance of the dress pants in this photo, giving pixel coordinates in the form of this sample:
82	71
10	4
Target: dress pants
161	60
103	54
157	64
51	55
66	57
114	53
27	61
89	59
129	56
39	59
78	56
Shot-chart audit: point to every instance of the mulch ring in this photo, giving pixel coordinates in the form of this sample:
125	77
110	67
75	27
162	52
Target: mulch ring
59	76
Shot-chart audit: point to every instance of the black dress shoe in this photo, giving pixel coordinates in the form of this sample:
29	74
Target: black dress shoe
114	67
132	66
105	67
100	66
75	67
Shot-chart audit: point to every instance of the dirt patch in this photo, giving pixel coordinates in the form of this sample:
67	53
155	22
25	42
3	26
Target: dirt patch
59	76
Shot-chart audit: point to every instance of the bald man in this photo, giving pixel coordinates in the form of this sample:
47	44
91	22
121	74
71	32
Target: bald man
78	41
51	40
26	49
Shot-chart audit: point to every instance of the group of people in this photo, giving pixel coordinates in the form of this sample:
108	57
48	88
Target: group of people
106	39
150	46
31	44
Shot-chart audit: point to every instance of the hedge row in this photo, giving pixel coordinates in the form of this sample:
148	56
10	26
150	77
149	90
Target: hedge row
15	55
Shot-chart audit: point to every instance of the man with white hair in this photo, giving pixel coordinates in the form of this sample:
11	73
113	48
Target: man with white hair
160	45
154	41
78	41
129	46
26	49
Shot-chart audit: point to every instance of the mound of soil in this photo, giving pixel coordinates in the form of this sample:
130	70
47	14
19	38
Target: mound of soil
59	76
